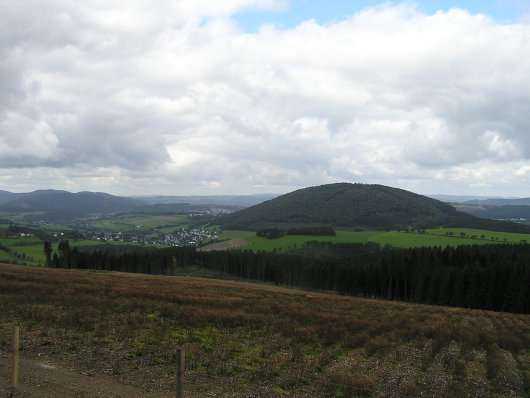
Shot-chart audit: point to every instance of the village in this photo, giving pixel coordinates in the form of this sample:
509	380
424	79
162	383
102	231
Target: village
180	238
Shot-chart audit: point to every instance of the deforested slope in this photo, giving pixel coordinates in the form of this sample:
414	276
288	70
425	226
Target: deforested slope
245	340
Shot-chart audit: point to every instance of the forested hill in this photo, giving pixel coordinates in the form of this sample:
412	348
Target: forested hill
353	205
347	205
63	205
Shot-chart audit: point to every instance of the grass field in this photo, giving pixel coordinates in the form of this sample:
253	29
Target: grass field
246	339
432	237
6	257
33	249
134	222
479	234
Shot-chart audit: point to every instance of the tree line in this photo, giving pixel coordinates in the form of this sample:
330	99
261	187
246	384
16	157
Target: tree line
489	277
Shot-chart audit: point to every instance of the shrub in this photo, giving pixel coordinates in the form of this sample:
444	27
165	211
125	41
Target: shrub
375	344
409	389
351	384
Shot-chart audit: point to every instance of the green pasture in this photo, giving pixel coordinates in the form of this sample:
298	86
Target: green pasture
7	257
34	249
480	235
431	238
135	222
234	234
20	241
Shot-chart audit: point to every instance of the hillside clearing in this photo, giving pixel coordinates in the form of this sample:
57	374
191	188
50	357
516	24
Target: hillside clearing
226	245
249	340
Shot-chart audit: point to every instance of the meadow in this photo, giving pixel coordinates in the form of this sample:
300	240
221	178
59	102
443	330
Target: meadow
432	237
134	222
245	339
31	251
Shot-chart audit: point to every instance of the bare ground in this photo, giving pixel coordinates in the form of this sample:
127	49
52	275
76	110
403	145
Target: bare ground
227	244
44	379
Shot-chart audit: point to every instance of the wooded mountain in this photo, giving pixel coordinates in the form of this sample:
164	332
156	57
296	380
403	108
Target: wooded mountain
357	205
63	205
6	196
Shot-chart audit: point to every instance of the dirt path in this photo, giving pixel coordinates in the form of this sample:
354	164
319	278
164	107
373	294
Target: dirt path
45	380
228	244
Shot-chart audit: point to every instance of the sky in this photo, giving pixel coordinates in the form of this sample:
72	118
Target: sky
206	97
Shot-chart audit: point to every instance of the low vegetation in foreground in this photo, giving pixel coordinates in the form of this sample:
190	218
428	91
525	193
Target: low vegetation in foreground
246	339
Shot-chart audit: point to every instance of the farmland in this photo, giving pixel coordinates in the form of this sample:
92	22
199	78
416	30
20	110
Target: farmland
432	237
132	230
253	340
133	223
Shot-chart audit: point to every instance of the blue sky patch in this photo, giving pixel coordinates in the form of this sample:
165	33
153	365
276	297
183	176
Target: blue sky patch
330	11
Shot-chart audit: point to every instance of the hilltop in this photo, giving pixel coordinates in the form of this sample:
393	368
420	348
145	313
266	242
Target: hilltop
345	205
356	206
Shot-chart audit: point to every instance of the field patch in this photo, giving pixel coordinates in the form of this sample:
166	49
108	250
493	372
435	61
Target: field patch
480	235
131	223
226	245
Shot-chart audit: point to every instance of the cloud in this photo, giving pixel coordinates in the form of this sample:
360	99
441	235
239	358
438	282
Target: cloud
177	97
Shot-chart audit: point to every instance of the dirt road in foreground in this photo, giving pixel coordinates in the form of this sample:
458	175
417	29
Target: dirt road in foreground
45	380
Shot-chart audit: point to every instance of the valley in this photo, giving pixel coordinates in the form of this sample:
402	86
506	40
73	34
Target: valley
264	305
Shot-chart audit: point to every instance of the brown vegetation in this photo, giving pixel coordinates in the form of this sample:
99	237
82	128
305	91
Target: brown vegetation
225	245
251	340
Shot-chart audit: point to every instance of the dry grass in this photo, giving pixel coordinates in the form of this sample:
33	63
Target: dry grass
245	338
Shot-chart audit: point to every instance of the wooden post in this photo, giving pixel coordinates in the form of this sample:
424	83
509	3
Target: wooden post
15	358
180	373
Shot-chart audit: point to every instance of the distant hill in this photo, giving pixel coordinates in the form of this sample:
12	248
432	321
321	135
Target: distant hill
220	200
513	209
345	205
6	196
498	202
497	212
458	198
357	205
63	205
59	206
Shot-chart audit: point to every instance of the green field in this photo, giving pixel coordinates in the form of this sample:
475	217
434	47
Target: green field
435	237
234	234
481	235
132	222
7	257
32	252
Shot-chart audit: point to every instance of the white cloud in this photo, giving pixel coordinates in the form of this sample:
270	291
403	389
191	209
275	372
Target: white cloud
177	94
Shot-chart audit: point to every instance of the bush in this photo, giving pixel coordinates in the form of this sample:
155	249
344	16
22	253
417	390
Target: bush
317	231
270	233
351	384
